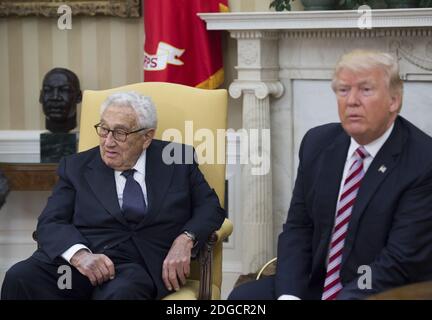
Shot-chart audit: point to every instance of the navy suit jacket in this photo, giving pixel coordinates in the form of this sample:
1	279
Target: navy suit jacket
84	208
391	224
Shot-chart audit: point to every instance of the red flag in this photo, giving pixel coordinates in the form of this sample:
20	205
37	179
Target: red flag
178	48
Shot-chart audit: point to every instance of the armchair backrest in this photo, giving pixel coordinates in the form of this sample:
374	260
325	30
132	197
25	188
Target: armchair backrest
175	104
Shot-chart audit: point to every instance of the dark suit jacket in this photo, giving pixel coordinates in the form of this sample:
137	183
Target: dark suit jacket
391	224
84	208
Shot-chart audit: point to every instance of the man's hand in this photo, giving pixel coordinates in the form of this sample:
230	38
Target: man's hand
176	265
97	267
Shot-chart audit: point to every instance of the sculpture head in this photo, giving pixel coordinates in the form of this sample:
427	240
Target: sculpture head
59	96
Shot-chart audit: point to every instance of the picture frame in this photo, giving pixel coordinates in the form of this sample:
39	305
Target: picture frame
48	8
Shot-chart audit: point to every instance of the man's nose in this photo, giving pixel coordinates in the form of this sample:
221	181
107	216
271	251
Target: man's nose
55	93
109	140
353	97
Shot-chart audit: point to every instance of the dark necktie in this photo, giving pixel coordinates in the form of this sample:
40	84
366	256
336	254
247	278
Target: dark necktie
134	206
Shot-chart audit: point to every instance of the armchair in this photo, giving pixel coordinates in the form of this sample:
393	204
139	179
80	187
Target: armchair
175	105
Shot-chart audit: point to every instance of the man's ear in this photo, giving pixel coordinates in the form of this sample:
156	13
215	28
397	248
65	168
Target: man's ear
41	96
150	133
149	137
78	97
395	102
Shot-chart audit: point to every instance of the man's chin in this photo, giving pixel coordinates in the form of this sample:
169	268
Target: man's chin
354	127
111	162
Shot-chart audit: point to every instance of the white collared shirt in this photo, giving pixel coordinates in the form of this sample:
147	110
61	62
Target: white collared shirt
120	181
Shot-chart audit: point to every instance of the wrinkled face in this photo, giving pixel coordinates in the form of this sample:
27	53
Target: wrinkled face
366	106
59	97
122	155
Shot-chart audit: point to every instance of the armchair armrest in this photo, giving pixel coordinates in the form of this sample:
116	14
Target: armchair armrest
205	257
225	231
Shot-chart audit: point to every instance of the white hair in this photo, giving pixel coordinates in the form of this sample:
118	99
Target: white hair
142	105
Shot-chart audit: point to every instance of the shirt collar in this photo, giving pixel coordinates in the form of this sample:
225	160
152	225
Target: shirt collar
373	147
141	162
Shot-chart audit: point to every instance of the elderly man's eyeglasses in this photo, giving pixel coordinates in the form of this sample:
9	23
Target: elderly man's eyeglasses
118	134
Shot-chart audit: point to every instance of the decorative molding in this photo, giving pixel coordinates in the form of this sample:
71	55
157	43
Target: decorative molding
117	8
310	20
20	146
248	52
429	49
259	88
356	33
404	50
255	34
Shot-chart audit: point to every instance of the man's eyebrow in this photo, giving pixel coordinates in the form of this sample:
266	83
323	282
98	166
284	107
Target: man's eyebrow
119	126
370	82
360	83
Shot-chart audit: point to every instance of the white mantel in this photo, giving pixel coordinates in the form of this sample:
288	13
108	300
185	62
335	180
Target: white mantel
309	20
285	64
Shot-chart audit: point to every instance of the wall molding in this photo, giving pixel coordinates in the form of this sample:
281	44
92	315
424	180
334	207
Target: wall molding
117	8
21	146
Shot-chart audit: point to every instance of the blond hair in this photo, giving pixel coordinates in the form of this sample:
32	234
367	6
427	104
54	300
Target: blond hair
364	60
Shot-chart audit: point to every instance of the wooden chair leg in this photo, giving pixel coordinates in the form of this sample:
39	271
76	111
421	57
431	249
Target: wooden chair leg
205	257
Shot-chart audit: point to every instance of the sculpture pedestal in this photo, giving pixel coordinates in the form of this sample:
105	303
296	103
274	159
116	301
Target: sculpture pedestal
54	146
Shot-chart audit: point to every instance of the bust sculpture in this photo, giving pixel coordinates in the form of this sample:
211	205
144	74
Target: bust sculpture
59	97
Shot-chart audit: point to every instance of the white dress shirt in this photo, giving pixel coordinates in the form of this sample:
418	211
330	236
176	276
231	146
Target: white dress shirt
120	181
372	148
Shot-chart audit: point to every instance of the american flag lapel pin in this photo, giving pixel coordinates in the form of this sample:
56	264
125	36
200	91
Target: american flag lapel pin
382	169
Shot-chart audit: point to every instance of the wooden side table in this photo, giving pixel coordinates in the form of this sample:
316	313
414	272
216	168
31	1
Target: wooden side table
30	176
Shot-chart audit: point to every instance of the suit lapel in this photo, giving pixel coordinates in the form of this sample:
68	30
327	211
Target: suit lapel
330	175
102	182
158	178
386	158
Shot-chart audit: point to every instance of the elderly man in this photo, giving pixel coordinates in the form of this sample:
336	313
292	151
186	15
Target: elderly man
120	216
360	219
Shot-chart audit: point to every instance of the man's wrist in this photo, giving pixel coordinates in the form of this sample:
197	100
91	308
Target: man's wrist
78	255
190	236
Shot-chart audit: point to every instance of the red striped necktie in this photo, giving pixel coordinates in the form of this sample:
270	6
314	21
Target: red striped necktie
332	284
